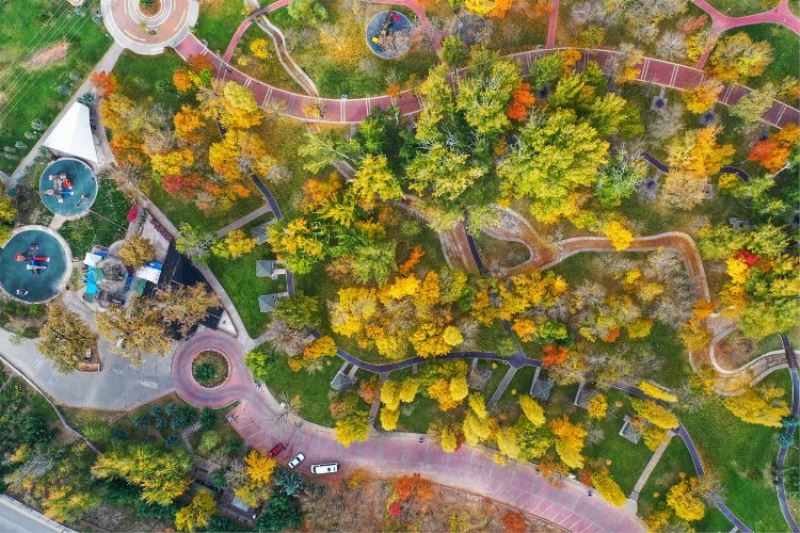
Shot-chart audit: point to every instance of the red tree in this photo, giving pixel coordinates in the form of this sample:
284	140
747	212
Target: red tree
105	82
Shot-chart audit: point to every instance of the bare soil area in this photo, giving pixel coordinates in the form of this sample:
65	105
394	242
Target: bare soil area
48	56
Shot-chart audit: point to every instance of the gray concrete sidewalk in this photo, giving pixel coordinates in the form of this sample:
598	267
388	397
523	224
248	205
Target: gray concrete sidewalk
118	386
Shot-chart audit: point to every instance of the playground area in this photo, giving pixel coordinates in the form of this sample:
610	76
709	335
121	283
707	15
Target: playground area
68	187
34	265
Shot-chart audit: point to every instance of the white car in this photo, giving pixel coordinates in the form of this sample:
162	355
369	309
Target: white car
296	460
325	468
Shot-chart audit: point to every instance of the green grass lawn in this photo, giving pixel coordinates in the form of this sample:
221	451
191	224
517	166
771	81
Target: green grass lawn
106	223
786	49
313	388
29	92
740	454
218	22
738	8
150	78
676	460
238	276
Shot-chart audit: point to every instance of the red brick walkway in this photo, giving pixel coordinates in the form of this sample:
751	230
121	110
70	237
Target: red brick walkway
350	111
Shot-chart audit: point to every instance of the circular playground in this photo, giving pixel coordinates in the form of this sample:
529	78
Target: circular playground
68	187
35	264
389	35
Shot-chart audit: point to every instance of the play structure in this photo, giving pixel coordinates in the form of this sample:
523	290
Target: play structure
34	264
68	187
389	34
34	261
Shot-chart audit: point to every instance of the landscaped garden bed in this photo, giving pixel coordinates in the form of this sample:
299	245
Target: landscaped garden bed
210	369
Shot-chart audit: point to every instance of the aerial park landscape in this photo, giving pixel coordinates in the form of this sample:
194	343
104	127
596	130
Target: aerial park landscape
336	265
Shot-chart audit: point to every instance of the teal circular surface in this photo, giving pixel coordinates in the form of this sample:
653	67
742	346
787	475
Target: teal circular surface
35	284
68	187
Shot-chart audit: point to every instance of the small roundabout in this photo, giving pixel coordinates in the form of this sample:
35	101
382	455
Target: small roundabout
35	264
68	187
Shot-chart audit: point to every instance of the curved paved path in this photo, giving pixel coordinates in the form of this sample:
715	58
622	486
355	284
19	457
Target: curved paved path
780	14
791	358
262	422
355	110
149	35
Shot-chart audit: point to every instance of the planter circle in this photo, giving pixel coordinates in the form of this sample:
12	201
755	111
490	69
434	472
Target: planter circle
389	34
219	365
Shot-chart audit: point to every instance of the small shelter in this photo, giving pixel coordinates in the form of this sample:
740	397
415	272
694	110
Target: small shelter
268	302
259	233
269	268
629	431
72	134
542	389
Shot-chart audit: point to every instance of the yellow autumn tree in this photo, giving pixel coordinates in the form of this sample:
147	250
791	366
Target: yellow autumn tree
703	96
408	390
260	48
389	418
597	406
608	488
762	406
655	391
620	236
234	245
507	441
238	107
198	513
697	152
390	396
459	388
173	162
532	410
684	499
655	414
570	441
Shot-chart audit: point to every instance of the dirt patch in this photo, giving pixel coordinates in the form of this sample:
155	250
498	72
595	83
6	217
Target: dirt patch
365	503
48	56
734	351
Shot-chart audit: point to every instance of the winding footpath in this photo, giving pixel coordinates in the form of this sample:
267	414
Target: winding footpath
354	110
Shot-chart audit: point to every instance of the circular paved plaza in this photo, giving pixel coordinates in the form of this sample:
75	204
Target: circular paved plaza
149	34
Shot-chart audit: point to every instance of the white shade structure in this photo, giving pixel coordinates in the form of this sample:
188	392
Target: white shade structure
72	135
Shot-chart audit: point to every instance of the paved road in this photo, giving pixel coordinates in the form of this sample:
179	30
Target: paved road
16	517
262	422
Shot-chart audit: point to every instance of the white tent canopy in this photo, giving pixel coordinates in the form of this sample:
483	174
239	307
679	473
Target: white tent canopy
72	135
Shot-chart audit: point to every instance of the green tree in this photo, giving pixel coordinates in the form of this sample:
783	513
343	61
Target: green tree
194	243
374	262
298	311
161	474
618	180
453	51
280	512
309	12
483	96
443	173
555	156
65	338
751	106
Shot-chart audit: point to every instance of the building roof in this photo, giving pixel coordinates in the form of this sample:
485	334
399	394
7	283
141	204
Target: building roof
73	134
265	267
542	389
267	302
341	381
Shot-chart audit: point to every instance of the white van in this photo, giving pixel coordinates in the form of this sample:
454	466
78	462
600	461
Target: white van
325	468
